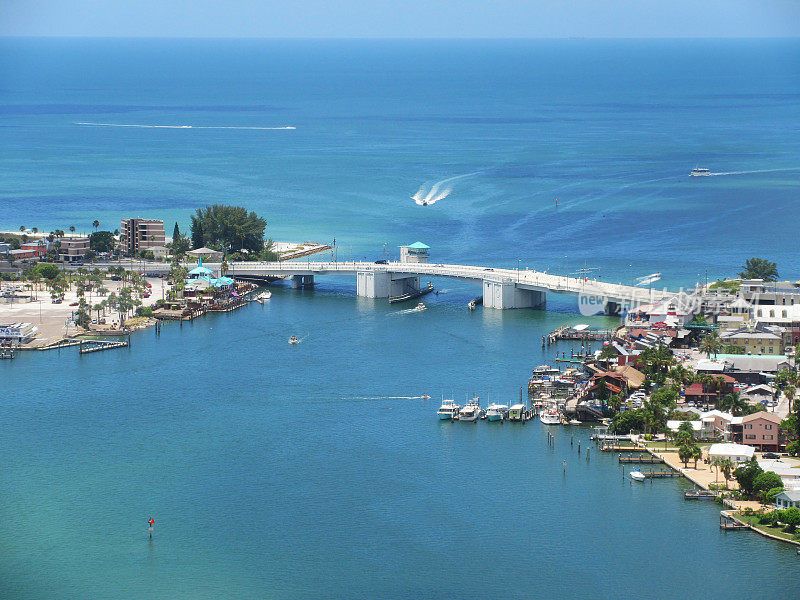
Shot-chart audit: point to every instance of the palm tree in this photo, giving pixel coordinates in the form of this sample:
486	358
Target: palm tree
733	403
95	224
35	230
72	228
711	344
22	227
726	466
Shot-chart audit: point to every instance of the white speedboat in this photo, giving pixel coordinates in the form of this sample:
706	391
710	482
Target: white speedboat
471	412
546	371
637	475
448	410
420	307
265	295
698	172
549	416
293	340
496	412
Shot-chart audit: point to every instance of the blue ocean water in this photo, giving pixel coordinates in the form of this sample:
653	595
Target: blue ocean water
316	471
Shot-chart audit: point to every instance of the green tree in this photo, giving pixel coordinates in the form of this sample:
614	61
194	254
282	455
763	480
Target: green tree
697	454
766	481
733	403
759	268
72	228
793	448
685	454
711	344
746	475
228	228
95	224
608	353
102	241
48	271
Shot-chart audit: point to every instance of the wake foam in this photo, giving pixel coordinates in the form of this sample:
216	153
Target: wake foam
430	193
179	126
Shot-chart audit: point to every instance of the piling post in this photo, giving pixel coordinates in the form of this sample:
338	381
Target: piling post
579	448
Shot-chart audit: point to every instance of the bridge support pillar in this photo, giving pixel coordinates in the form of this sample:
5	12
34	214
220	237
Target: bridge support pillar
505	294
381	284
299	281
612	309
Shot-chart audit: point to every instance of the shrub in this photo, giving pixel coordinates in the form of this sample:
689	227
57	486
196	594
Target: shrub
793	448
144	311
769	518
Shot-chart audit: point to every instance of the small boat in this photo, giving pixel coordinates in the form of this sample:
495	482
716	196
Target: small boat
637	475
471	412
549	417
265	295
698	172
294	340
420	307
425	397
546	371
448	410
496	412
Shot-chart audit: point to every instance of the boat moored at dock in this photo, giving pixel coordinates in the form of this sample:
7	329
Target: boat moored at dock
517	412
496	412
549	415
471	412
448	410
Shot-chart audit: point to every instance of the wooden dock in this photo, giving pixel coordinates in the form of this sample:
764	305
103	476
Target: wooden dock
6	352
660	474
620	448
87	346
64	343
641	459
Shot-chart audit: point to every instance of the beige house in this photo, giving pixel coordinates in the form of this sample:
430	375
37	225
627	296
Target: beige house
73	248
755	340
761	430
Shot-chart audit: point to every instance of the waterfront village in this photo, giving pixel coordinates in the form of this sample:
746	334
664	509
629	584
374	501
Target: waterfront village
700	384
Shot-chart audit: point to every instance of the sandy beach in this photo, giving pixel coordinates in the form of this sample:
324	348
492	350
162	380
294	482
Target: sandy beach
52	319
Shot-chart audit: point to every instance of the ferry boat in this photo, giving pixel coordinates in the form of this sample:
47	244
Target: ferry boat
496	412
471	412
448	410
549	416
698	172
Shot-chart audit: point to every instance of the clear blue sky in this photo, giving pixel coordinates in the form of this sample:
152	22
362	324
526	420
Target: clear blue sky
398	18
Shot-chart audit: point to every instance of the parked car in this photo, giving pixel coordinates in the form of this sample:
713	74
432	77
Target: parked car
57	301
73	304
771	455
380	262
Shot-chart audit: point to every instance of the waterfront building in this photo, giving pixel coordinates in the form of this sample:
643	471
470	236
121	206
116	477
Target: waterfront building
141	234
736	453
759	394
414	253
787	499
760	430
770	293
15	334
5	248
73	248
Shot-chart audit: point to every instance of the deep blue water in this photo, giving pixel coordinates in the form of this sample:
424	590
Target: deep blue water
302	472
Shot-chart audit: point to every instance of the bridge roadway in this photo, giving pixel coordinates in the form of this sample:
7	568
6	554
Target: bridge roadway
502	288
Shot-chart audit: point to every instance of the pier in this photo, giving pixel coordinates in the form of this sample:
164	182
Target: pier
641	459
88	346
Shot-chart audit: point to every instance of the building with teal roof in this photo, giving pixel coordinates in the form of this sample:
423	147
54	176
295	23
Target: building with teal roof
414	253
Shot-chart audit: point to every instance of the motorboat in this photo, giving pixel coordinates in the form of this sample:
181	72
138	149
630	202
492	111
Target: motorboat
496	412
698	172
546	371
471	412
549	416
293	340
448	410
637	475
420	307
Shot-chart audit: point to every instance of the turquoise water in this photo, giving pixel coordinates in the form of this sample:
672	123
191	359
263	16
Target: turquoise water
312	471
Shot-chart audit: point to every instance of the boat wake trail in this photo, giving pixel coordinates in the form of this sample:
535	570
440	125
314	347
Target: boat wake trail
428	193
180	126
407	311
749	172
648	279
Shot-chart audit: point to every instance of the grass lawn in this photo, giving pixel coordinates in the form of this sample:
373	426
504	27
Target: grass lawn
776	531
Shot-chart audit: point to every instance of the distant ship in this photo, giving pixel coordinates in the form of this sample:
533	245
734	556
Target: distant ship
698	172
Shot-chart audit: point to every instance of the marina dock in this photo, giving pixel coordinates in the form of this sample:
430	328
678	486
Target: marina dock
88	346
641	459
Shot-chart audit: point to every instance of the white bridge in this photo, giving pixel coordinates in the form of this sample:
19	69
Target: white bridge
502	288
